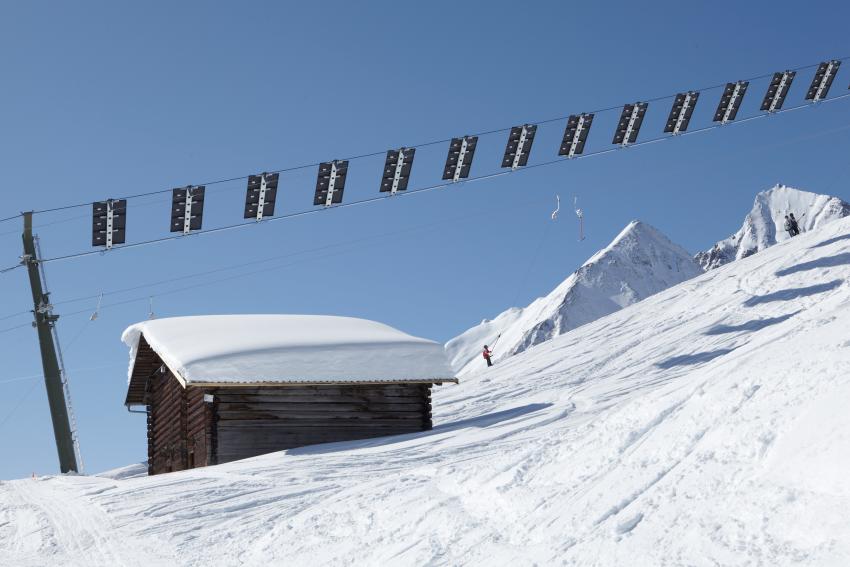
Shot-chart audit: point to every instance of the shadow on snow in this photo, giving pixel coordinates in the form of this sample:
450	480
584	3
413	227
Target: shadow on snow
749	326
480	421
696	358
828	262
793	293
831	241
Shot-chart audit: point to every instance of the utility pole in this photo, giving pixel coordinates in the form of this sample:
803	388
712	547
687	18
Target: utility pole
44	323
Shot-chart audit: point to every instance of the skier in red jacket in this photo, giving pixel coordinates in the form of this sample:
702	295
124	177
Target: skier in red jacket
487	354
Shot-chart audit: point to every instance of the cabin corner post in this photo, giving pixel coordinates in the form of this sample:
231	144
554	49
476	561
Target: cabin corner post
428	422
151	447
44	322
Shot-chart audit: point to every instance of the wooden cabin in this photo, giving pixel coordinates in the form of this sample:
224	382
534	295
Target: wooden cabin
227	387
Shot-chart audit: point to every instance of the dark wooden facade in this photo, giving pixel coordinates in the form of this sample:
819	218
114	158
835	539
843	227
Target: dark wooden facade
197	425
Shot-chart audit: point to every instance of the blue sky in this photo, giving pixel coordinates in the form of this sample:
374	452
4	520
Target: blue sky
104	99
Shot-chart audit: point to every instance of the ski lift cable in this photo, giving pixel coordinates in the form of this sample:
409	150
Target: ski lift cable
421	145
10	268
265	260
426	189
18	404
147	296
27	377
532	263
10	329
348	246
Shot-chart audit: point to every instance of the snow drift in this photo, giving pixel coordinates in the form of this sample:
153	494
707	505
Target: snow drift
639	262
706	425
764	226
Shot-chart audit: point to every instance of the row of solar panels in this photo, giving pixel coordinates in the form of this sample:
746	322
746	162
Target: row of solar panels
187	209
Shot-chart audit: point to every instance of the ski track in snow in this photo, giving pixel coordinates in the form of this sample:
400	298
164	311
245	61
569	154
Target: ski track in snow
705	425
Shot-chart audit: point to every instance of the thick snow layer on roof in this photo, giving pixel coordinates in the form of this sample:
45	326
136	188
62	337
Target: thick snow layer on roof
288	348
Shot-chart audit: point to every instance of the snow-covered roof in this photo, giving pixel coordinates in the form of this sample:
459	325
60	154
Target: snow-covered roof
298	349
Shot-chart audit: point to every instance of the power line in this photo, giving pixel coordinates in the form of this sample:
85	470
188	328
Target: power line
441	185
421	145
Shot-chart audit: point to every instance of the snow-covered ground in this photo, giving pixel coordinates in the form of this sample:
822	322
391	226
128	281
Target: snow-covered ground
705	425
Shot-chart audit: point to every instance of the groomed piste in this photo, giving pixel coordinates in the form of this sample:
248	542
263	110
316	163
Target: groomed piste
705	425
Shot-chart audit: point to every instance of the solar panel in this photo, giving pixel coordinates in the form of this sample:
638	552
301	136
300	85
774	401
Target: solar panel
822	80
575	134
397	170
680	113
261	195
777	91
519	146
459	160
109	222
730	101
330	182
629	125
187	208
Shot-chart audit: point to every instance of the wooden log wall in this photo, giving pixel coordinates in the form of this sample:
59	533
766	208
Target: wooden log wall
198	428
252	421
167	419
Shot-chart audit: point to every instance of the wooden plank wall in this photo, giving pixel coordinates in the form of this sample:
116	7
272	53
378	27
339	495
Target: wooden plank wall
179	426
253	421
198	428
166	438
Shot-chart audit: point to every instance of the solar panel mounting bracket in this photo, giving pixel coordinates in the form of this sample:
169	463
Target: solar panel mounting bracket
187	215
576	136
519	147
262	198
460	158
683	113
398	169
632	119
824	81
778	96
331	183
109	223
731	106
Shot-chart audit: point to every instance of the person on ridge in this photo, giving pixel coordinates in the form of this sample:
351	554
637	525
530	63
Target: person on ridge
788	226
795	227
487	354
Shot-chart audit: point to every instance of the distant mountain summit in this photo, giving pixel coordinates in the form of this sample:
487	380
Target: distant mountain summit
764	226
638	263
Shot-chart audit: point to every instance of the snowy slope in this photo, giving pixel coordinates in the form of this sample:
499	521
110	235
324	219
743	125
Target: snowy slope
706	425
764	226
639	262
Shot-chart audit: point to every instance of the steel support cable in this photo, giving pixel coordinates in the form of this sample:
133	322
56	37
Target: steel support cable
35	376
10	268
422	190
10	329
421	145
348	246
246	274
278	257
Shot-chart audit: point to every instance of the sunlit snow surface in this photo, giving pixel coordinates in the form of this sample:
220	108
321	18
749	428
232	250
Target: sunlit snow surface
705	425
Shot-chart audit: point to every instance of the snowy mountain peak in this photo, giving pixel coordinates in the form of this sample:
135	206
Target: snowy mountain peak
639	262
764	226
